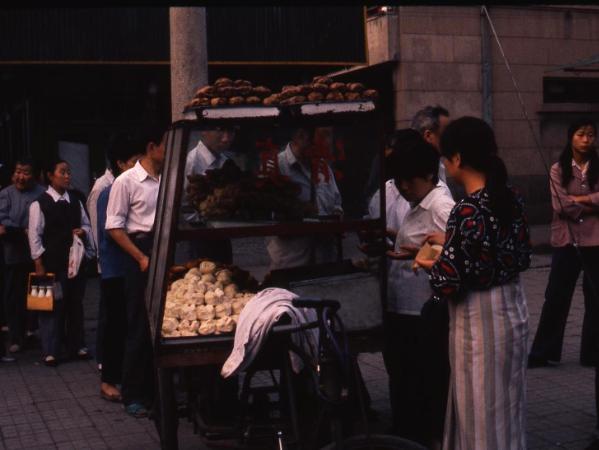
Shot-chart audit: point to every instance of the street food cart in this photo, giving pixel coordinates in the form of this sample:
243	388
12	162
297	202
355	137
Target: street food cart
350	143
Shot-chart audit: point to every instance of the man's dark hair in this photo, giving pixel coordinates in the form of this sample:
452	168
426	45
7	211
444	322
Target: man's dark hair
25	161
428	118
416	159
122	148
153	132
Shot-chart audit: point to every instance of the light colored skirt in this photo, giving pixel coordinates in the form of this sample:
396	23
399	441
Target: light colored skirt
488	353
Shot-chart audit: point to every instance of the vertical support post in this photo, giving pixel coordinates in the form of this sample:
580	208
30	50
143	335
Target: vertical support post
486	70
189	55
168	420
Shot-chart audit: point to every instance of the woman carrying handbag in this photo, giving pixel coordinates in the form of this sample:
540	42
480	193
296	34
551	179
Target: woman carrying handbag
55	218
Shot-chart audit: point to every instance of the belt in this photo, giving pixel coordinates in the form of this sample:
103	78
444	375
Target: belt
139	235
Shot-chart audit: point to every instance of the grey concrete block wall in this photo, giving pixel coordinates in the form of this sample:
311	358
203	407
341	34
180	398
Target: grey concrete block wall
440	63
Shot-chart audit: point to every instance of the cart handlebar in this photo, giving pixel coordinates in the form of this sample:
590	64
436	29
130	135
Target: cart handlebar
316	303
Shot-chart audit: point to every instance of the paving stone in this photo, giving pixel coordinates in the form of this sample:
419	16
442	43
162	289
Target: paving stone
60	408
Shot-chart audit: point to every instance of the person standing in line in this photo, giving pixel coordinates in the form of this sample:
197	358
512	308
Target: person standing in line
486	246
130	218
54	218
92	199
414	167
575	200
430	122
112	331
15	201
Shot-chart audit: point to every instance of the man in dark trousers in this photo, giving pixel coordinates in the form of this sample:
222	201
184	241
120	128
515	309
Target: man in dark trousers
130	222
14	215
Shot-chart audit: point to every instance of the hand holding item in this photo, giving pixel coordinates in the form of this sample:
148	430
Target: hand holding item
435	239
582	199
144	263
39	267
427	256
405	252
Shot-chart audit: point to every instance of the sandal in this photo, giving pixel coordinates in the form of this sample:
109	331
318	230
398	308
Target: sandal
111	397
136	410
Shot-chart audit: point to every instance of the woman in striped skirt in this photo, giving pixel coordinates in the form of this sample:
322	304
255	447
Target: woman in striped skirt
486	246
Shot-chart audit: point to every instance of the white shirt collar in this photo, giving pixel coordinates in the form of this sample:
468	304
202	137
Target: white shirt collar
141	174
56	196
292	159
582	169
430	198
109	175
209	157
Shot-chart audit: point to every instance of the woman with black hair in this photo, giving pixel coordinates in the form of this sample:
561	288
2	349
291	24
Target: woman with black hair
575	200
485	248
54	219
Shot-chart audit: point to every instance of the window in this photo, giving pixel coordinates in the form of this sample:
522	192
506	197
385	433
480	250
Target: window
571	90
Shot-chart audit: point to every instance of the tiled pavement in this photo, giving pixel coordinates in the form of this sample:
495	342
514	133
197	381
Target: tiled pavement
43	408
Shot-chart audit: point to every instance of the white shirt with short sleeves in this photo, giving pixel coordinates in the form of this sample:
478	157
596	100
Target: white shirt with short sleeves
132	201
408	291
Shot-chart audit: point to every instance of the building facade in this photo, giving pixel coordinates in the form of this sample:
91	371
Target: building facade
449	56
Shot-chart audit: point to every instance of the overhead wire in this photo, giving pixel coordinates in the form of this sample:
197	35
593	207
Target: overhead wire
538	147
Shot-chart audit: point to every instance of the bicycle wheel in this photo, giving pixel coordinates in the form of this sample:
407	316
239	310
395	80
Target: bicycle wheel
376	442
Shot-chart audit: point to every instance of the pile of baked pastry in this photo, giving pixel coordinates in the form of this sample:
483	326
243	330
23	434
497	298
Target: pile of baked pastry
322	89
205	299
225	92
229	192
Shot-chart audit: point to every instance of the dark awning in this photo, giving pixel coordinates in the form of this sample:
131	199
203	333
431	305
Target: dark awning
584	65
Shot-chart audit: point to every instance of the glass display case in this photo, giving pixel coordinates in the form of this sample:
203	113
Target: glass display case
296	180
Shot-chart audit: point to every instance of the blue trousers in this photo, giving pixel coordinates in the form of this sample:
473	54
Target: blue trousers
64	324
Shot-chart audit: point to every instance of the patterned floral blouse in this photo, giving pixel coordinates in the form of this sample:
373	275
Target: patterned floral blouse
479	252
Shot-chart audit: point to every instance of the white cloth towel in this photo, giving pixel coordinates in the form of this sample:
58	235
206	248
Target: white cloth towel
76	253
257	319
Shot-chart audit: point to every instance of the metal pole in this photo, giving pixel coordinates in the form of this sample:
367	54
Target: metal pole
486	70
189	55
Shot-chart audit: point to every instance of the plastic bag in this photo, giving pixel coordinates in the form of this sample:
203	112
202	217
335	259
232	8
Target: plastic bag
76	253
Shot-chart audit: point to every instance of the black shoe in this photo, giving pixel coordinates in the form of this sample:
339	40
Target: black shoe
587	362
534	362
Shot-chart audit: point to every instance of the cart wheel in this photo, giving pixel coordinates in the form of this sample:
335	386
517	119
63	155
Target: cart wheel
375	442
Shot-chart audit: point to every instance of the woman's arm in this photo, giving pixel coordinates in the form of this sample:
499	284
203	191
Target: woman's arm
86	234
560	199
36	230
464	259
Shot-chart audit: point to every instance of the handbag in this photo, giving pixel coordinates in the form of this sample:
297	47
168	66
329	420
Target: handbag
42	290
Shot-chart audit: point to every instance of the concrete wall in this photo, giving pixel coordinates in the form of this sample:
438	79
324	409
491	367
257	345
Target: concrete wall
440	62
439	52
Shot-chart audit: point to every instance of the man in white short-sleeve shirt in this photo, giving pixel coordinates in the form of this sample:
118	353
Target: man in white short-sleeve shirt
210	153
130	221
293	162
